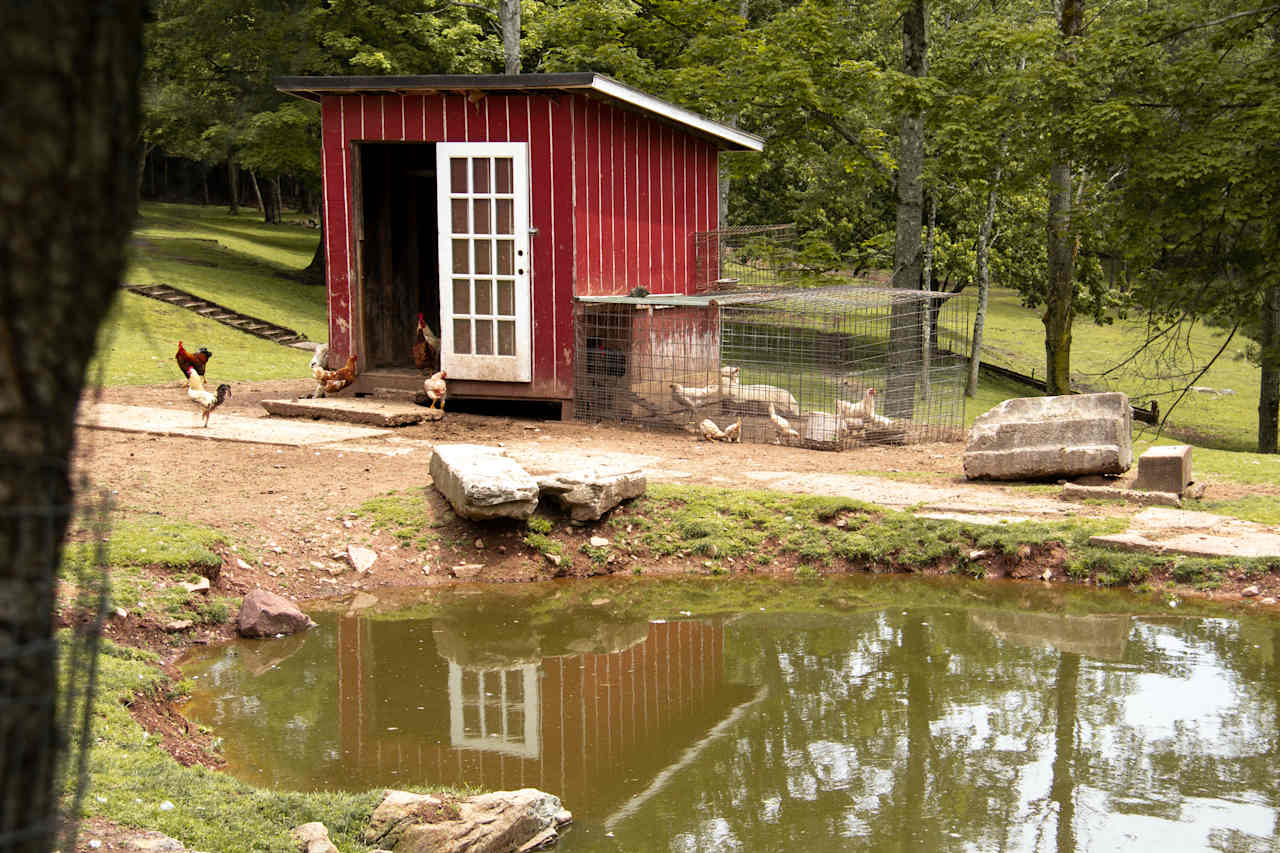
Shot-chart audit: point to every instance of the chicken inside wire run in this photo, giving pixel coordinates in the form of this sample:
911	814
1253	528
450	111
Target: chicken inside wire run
823	367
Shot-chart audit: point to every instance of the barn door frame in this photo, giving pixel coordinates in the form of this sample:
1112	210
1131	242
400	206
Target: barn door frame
486	321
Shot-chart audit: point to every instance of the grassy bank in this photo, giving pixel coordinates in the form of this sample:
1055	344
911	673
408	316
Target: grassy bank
134	781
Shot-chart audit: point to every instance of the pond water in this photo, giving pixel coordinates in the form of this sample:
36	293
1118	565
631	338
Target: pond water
850	714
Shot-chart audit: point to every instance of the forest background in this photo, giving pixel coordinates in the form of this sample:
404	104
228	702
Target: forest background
1106	160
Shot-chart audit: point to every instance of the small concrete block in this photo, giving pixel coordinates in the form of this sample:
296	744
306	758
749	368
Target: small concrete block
1166	468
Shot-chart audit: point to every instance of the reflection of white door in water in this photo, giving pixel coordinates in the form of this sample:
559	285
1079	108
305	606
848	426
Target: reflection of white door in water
485	326
496	710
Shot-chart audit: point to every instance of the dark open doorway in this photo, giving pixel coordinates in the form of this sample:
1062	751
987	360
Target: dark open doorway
398	256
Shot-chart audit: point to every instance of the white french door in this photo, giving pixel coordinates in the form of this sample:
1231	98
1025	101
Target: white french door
485	323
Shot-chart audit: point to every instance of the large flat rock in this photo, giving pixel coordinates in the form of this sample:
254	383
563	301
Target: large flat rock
355	410
183	421
481	483
1158	530
1036	438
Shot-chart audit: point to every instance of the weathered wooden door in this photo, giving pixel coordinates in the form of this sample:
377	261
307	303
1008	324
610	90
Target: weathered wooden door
485	322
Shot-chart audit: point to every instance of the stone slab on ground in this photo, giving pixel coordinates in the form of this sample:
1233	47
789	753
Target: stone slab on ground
482	483
354	410
588	495
181	421
1080	492
957	498
1194	534
1035	438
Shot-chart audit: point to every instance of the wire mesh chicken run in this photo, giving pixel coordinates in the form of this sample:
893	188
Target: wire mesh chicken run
830	368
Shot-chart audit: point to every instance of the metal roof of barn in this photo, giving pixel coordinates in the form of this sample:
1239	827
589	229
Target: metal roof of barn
313	88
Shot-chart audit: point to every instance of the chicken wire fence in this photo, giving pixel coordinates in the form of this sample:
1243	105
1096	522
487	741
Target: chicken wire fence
47	680
827	368
752	258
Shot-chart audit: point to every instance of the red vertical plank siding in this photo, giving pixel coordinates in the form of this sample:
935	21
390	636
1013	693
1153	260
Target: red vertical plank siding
414	120
623	128
713	198
455	118
562	239
577	119
541	146
668	195
477	120
332	161
496	118
604	146
392	117
433	114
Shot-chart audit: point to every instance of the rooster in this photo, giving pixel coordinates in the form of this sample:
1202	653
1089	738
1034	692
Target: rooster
330	381
186	360
781	424
436	388
426	346
205	401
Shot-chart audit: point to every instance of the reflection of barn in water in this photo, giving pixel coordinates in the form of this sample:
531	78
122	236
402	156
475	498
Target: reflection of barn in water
593	718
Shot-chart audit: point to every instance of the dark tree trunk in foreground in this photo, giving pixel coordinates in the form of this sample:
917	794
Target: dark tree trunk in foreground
68	187
1269	393
908	253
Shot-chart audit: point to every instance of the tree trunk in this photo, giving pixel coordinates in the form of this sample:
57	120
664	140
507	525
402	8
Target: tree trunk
509	19
146	149
204	185
313	274
908	260
68	163
984	280
1062	787
1269	393
277	202
233	182
257	194
1059	311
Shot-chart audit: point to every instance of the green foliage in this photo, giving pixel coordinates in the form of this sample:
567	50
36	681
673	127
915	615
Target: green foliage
539	524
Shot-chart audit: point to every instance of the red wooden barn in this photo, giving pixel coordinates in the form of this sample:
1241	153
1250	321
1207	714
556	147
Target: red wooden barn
489	203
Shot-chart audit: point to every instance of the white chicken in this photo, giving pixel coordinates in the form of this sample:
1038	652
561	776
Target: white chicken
204	400
710	431
863	410
436	389
781	424
692	397
733	432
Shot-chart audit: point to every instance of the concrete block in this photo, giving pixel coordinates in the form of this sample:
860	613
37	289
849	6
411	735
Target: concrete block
1036	438
1166	468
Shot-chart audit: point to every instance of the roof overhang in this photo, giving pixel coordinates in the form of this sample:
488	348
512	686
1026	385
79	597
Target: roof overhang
314	88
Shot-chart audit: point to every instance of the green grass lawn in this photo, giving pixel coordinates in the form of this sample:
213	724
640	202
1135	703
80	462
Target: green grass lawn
1014	338
235	261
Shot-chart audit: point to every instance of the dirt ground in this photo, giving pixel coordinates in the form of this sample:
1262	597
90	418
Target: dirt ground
292	509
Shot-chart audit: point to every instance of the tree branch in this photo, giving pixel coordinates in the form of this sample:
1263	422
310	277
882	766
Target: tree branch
1215	22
